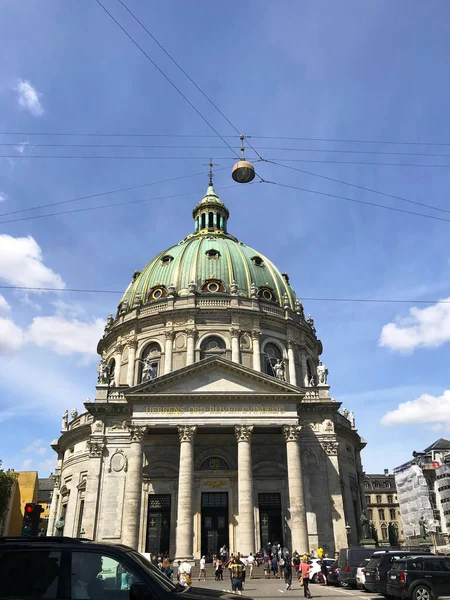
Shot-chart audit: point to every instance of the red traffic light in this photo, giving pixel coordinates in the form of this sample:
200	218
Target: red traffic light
29	508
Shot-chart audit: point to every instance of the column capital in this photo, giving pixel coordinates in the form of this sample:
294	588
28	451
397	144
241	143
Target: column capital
187	433
191	332
132	344
292	344
291	432
243	432
331	446
95	449
169	335
255	334
235	331
136	432
119	348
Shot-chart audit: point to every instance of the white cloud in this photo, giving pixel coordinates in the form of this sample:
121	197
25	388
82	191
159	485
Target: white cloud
47	466
424	327
26	463
2	196
35	447
11	337
21	264
21	147
66	336
4	306
424	409
29	98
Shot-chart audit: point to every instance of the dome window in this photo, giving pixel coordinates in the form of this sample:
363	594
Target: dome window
258	261
272	355
212	346
213	287
212	253
166	259
149	362
267	294
157	293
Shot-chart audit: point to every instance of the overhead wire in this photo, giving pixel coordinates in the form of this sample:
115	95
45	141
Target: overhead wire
186	74
308	299
116	191
374	204
124	203
360	187
165	76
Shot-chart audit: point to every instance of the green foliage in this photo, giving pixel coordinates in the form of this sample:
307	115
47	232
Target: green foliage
7	480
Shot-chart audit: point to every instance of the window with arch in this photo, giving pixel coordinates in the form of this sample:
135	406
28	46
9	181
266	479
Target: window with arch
149	363
214	463
384	532
376	484
112	370
387	485
212	346
272	354
381	514
370	513
366	485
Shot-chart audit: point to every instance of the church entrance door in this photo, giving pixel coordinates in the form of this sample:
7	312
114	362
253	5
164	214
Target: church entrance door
158	524
270	519
214	523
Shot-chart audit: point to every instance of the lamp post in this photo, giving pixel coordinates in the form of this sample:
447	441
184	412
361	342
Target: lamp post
348	529
82	532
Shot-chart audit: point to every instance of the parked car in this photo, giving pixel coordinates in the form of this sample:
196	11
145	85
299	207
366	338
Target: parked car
61	567
379	565
361	574
316	568
333	574
348	561
420	577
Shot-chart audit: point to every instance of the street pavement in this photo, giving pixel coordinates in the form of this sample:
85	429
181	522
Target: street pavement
258	587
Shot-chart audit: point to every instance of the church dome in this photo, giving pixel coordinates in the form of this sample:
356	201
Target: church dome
210	261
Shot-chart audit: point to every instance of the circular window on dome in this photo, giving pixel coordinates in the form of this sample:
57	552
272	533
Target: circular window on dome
212	253
213	287
166	259
266	294
258	261
157	293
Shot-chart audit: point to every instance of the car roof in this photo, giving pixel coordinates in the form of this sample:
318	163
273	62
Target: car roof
59	541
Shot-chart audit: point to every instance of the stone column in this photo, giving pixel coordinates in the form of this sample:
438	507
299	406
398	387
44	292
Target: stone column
132	345
299	529
291	357
118	364
169	349
53	507
304	369
190	354
133	488
91	496
185	519
256	351
246	528
235	344
331	447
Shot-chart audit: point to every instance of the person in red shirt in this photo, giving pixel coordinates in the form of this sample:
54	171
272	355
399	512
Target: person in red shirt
305	569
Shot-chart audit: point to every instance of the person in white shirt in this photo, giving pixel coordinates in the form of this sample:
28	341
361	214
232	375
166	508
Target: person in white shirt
185	574
202	568
251	563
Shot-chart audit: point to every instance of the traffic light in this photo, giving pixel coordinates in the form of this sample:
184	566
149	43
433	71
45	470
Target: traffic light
31	519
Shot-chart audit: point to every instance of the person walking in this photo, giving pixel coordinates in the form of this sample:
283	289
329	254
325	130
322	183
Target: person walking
266	565
185	574
274	566
202	568
287	571
251	564
236	571
305	569
324	571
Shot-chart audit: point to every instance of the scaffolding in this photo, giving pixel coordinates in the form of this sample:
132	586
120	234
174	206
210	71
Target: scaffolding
413	495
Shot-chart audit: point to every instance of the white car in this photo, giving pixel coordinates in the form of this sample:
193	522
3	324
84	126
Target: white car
316	568
361	574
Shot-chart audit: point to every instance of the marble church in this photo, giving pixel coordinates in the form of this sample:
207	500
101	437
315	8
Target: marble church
212	422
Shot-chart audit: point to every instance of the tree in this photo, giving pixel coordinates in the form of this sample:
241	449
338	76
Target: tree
7	481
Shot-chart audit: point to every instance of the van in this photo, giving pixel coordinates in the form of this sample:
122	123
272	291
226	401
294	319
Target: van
348	561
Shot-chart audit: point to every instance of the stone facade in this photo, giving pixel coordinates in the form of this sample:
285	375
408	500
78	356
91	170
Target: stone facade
212	422
382	504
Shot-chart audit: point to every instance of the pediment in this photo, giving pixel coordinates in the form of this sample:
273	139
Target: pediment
215	376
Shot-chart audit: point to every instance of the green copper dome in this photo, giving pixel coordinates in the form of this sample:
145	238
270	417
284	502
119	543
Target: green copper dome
213	260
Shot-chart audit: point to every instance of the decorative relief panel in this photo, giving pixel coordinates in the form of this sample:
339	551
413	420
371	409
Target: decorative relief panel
118	462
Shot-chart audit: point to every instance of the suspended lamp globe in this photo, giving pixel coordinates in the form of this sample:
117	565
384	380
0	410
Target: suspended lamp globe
243	172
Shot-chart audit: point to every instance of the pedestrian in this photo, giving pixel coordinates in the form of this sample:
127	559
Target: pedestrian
166	568
244	568
266	566
219	570
178	570
185	574
251	564
202	568
280	566
305	569
287	571
296	565
237	569
324	571
274	566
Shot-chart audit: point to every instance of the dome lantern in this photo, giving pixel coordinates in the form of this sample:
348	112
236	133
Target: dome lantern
210	214
243	171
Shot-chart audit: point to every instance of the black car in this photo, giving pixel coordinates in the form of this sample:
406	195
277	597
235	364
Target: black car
333	574
349	560
420	577
60	567
378	566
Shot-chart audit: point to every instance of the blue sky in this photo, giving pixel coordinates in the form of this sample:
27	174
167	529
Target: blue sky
373	70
